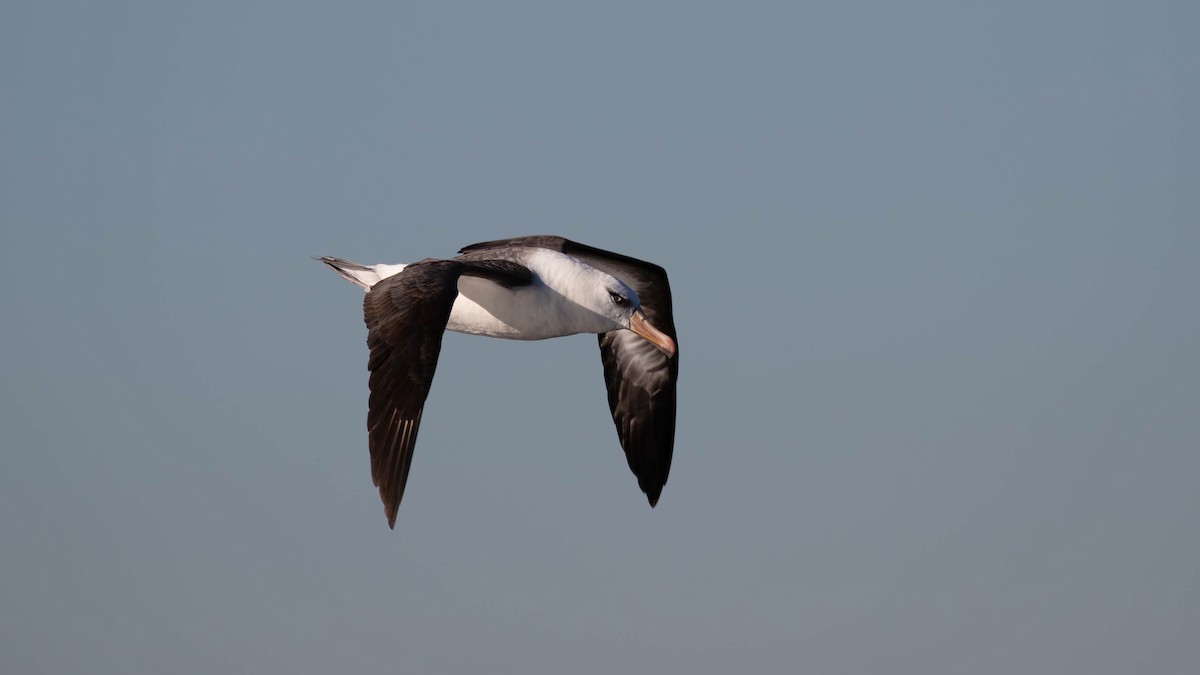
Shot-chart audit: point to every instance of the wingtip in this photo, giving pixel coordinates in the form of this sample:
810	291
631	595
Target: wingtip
652	497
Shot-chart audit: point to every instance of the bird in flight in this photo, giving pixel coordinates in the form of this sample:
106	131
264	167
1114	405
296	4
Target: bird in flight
526	288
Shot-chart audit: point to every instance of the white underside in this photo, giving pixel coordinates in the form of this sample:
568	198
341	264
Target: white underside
544	309
484	308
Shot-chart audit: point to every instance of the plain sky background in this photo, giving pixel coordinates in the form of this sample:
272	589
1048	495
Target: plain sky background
935	264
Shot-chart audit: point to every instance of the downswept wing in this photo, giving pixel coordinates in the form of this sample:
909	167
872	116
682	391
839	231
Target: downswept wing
640	379
406	315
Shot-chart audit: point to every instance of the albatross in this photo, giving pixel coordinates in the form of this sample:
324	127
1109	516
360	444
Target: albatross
525	288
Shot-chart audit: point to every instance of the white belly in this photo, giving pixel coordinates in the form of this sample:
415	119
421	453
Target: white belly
485	308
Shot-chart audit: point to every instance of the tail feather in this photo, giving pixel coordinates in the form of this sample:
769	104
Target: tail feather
363	276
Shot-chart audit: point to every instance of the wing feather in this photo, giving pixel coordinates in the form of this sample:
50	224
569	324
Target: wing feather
406	316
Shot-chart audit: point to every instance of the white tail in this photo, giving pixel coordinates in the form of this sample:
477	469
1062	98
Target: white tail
363	276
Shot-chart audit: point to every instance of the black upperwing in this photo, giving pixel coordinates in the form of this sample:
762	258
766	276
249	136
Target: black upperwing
406	315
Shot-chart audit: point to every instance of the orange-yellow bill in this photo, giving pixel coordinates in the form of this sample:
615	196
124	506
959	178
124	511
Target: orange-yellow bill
639	324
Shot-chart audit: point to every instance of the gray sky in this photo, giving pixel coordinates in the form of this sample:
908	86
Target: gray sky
935	269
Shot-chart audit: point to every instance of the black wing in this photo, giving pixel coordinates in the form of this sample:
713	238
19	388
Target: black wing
406	315
640	378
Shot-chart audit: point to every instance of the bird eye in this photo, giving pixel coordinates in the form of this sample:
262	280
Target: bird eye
617	299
